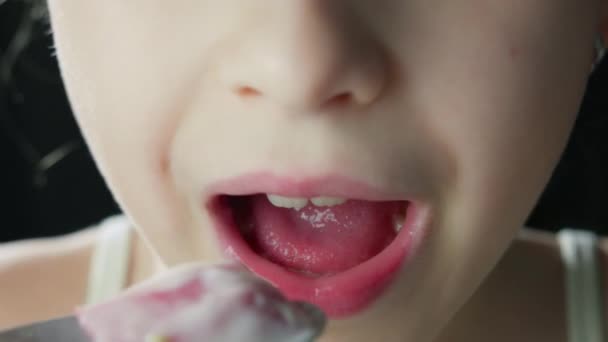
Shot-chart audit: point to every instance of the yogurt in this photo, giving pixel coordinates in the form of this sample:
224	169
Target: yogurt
195	303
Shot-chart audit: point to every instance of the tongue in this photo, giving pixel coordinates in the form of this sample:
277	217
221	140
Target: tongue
318	240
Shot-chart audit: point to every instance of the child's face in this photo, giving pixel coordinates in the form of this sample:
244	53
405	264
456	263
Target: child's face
462	107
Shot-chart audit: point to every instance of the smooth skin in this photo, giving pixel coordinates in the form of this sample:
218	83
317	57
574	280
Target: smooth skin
467	103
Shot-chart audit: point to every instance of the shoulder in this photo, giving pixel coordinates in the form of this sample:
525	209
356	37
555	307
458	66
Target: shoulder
603	244
43	278
603	250
550	240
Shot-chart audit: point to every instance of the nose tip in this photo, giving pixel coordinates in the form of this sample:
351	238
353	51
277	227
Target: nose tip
315	61
246	91
338	100
359	89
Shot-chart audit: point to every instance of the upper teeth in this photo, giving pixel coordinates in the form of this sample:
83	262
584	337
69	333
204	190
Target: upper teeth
300	202
323	201
288	202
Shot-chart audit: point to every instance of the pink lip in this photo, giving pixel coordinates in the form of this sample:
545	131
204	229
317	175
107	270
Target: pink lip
340	295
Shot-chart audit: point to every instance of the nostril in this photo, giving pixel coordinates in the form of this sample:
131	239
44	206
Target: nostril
340	100
246	91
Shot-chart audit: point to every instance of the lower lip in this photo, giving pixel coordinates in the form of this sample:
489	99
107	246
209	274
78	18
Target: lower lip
340	295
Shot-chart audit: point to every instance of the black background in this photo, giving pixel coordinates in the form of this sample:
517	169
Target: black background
44	200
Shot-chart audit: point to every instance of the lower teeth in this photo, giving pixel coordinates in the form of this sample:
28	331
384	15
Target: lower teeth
398	221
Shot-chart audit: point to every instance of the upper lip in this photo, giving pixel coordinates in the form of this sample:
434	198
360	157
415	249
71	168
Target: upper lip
333	185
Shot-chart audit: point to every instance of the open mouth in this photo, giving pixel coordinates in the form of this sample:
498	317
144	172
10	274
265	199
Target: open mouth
338	253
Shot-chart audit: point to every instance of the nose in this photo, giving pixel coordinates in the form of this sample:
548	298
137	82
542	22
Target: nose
306	55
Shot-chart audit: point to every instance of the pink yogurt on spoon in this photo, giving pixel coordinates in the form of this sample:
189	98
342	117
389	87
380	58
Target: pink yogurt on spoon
202	303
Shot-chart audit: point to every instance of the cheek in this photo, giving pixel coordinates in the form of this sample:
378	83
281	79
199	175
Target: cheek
128	105
503	104
505	148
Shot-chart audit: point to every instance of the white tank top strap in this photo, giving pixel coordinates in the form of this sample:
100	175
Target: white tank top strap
110	260
584	300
